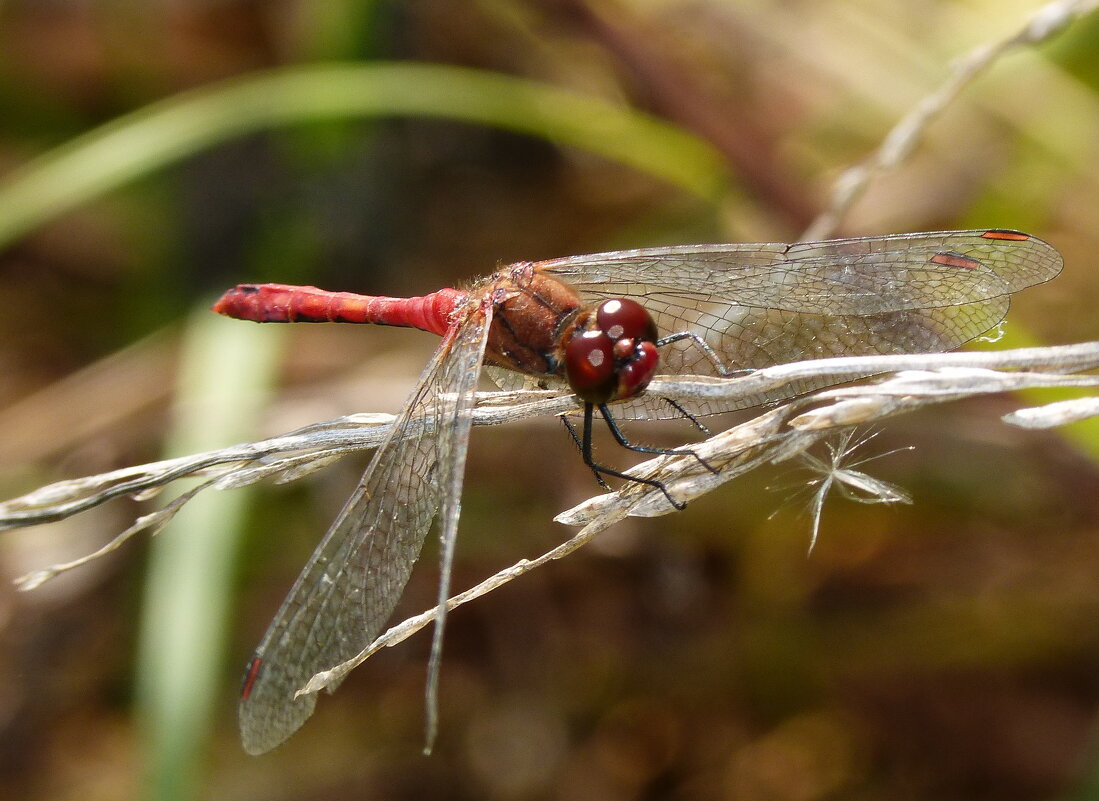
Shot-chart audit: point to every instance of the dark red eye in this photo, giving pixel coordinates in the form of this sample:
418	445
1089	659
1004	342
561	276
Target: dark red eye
616	358
589	366
635	375
622	318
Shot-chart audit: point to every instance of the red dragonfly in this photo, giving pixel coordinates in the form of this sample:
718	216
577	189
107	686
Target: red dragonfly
592	323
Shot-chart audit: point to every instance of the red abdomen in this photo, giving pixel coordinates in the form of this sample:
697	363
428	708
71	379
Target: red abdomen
280	303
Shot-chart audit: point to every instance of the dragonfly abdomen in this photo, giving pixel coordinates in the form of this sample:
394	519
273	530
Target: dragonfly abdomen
281	303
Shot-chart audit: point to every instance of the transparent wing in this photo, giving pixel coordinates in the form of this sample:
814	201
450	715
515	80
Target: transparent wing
353	580
866	275
762	304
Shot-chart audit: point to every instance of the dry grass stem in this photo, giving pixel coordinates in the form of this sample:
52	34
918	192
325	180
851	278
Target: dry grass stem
899	384
905	136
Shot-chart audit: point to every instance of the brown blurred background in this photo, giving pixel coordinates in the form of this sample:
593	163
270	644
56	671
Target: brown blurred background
947	650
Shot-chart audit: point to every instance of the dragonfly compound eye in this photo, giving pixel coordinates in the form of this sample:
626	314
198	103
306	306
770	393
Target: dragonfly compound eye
589	366
636	373
622	318
616	358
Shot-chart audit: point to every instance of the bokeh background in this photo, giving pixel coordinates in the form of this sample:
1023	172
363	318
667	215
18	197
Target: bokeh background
947	650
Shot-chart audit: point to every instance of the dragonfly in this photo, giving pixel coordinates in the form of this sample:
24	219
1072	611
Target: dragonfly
600	326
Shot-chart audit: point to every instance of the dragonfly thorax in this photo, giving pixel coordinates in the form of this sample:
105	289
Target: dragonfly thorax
533	315
606	351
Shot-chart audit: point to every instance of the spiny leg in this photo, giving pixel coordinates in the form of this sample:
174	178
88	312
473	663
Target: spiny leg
589	460
580	447
704	346
625	443
694	420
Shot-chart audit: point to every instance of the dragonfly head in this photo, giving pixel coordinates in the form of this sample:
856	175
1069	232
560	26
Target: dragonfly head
612	354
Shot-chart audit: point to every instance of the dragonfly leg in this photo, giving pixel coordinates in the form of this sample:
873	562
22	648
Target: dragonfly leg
580	447
633	446
704	346
694	420
589	460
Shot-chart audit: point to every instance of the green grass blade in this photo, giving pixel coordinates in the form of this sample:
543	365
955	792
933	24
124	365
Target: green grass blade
165	132
226	370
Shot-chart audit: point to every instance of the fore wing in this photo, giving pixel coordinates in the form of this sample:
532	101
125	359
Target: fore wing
758	305
347	591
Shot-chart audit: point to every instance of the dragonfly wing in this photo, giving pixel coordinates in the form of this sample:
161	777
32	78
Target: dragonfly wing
766	337
758	305
455	406
861	276
353	580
